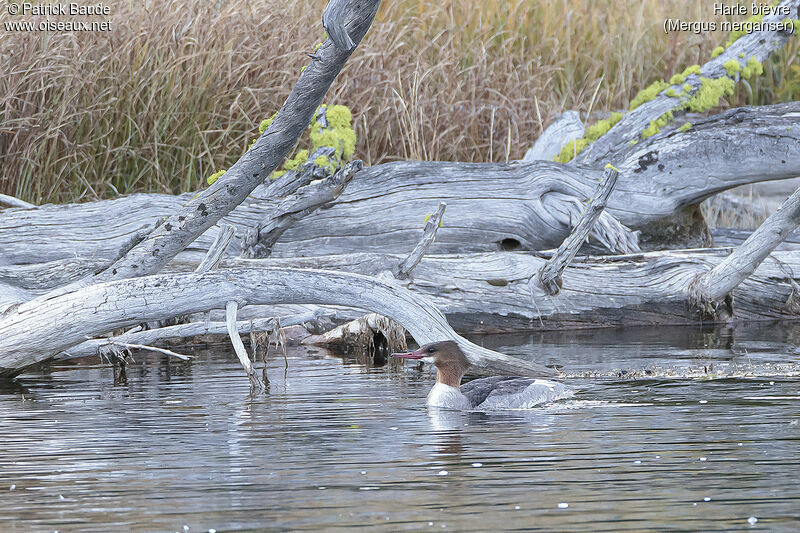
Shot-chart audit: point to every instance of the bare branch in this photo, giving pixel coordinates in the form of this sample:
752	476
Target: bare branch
549	277
756	44
231	308
151	337
113	343
726	276
403	269
39	329
205	210
217	249
15	202
259	242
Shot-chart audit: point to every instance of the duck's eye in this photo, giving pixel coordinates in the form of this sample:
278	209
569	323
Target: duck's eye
431	349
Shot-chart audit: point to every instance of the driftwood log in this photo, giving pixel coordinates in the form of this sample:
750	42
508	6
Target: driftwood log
116	263
517	206
38	330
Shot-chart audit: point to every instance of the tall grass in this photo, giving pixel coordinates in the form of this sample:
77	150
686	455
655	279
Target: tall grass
175	91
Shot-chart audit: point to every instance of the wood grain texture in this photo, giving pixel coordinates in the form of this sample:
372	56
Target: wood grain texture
758	44
562	130
727	275
549	276
203	211
39	329
489	292
527	206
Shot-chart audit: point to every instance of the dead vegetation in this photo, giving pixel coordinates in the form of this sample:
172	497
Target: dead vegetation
174	93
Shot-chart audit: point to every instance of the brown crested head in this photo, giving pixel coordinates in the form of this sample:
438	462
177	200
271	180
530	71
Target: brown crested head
450	361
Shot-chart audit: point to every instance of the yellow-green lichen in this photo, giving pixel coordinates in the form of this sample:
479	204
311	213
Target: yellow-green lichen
215	176
753	68
633	142
656	125
262	127
748	26
732	67
686	127
709	94
671	93
598	129
300	157
648	93
717	51
266	123
428	217
339	133
612	167
677	79
687	88
571	149
741	55
593	132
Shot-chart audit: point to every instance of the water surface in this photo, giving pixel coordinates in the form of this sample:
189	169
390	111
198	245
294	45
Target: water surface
338	445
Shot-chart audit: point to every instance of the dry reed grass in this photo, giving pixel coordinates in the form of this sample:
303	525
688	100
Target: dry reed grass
175	91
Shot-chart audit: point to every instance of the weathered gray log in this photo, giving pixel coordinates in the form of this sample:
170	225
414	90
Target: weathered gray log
490	206
757	44
726	276
564	129
351	17
259	241
217	249
729	237
39	329
489	293
153	337
15	202
549	276
403	269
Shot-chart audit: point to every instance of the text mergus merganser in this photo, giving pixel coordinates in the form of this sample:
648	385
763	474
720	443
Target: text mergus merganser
497	392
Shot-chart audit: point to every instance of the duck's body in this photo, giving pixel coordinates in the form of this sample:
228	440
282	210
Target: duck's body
497	392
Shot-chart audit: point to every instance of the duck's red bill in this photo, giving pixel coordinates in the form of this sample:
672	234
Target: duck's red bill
408	355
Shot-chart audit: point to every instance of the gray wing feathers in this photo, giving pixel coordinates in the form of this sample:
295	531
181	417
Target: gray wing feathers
504	392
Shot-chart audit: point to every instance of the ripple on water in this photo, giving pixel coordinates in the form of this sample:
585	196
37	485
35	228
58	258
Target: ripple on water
336	445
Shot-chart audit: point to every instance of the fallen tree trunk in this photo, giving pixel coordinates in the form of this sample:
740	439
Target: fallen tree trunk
39	329
152	337
489	292
754	45
516	206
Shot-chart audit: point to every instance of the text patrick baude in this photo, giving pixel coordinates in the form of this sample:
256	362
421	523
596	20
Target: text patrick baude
73	8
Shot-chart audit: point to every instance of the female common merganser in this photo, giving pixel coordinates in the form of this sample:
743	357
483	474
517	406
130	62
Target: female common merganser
497	392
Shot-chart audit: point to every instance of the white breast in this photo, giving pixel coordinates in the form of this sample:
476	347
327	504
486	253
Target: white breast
448	397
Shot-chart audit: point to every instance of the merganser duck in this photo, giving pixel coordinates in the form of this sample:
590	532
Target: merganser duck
496	392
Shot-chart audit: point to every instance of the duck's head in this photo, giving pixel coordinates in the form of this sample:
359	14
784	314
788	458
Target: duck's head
450	361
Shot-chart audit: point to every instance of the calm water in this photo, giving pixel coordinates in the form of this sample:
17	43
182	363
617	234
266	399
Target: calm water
338	445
